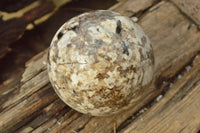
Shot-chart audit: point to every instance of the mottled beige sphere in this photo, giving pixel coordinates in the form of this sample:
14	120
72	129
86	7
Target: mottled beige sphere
99	62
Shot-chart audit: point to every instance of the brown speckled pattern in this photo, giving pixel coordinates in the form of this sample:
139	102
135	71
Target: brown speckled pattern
99	62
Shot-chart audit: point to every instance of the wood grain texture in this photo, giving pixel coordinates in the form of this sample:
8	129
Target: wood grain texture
174	44
14	24
24	111
131	7
190	7
13	29
178	111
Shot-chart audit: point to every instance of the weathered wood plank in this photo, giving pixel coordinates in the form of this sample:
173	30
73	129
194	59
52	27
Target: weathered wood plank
12	30
34	66
191	8
174	46
131	7
14	24
177	111
26	110
47	117
172	40
24	91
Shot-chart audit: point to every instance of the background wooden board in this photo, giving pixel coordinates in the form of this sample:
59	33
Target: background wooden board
32	106
177	111
191	8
